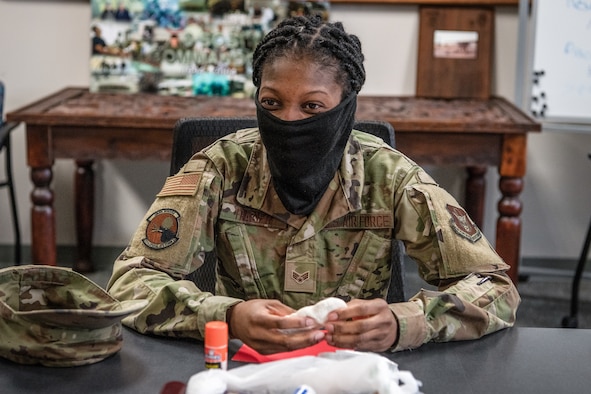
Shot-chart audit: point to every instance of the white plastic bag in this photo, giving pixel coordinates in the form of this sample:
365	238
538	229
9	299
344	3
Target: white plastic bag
340	372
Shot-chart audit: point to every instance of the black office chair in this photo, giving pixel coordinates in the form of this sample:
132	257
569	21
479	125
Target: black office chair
194	134
5	129
572	320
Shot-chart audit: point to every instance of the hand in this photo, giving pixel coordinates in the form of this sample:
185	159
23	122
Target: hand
263	325
367	325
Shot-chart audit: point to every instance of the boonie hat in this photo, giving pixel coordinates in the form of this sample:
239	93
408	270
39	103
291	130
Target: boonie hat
56	317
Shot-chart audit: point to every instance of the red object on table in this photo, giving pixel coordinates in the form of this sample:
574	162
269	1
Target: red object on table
173	387
249	355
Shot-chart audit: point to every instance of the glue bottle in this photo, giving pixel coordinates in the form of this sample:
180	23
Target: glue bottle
216	345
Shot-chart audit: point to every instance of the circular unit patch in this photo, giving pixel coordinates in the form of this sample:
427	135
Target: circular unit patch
162	229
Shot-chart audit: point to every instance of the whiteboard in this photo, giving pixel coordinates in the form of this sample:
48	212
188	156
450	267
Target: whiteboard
561	65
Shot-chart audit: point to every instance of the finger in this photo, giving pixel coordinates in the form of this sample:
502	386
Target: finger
353	339
277	341
279	316
376	333
373	344
282	317
358	309
295	323
350	327
303	339
278	308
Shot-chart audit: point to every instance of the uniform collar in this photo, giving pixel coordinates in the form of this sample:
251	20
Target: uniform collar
342	197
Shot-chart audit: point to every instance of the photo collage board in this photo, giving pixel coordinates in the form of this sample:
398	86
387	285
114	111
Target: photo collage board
183	47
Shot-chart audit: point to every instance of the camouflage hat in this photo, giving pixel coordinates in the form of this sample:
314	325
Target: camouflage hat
57	317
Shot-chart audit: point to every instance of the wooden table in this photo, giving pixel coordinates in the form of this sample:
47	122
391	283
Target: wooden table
74	123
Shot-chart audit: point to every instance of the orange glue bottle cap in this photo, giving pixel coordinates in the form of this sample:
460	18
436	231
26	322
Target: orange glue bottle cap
216	334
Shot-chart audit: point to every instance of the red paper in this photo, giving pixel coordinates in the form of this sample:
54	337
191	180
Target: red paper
249	355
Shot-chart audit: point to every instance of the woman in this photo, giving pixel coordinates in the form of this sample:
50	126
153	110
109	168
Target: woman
304	208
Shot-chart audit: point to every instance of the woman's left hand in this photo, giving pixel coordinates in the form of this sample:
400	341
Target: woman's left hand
366	325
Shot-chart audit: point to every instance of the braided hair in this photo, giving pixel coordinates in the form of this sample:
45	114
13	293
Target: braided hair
327	44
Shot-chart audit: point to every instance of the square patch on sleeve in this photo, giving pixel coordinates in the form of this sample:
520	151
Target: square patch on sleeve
180	185
461	223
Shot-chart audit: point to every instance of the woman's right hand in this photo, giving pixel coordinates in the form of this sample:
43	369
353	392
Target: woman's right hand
264	325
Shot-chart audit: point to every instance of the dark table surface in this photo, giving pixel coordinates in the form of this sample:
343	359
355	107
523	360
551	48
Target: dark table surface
516	360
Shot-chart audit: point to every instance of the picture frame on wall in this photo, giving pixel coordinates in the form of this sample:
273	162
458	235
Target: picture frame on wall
182	47
455	52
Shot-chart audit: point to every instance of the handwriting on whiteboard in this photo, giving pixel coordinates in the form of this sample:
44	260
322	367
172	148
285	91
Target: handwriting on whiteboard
561	77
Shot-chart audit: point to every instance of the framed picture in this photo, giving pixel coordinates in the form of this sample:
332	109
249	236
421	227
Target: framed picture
182	47
455	52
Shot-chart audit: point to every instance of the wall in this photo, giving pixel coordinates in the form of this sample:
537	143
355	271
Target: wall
44	47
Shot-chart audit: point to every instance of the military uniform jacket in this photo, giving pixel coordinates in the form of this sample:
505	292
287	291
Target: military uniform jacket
224	199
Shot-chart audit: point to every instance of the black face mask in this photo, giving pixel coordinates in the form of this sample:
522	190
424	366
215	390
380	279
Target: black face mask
305	154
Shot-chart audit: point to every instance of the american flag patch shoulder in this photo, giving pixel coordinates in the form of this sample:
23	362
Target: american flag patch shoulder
180	185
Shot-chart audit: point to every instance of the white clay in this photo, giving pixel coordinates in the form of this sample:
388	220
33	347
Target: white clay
321	309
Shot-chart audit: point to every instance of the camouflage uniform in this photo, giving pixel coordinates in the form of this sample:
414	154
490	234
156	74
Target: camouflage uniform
223	198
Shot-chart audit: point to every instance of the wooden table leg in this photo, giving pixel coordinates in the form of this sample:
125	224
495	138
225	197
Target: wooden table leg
511	171
509	224
43	249
84	205
475	194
